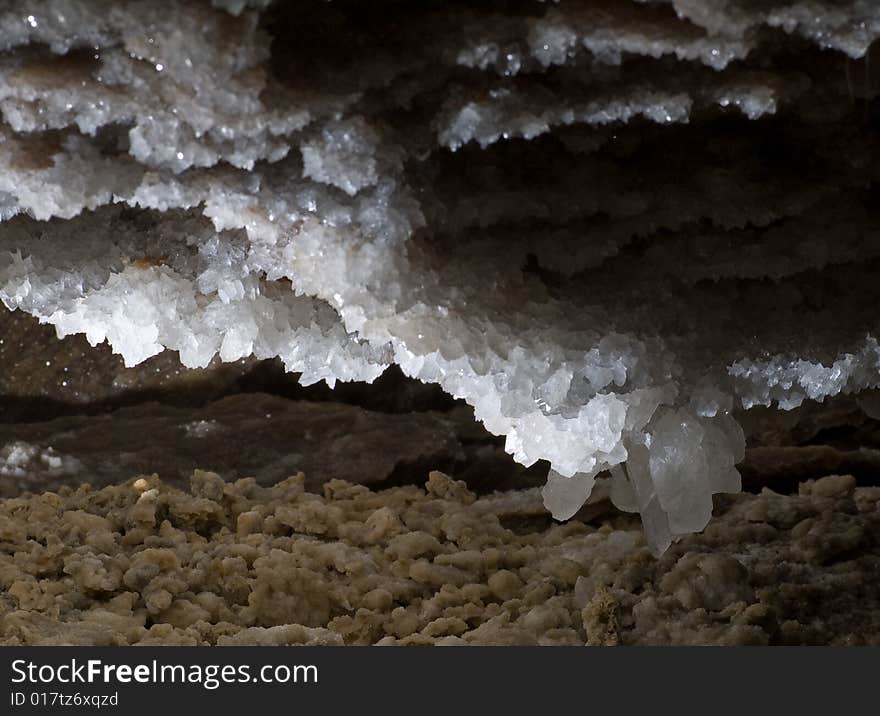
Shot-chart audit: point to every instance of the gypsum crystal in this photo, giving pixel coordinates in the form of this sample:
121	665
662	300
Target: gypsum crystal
606	226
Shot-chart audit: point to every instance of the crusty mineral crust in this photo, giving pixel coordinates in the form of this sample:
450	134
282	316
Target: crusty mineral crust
235	563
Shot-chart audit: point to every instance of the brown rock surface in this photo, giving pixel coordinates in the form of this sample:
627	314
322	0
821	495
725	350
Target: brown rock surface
252	435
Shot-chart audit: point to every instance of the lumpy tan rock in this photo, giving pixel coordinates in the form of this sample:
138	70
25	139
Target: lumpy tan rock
237	563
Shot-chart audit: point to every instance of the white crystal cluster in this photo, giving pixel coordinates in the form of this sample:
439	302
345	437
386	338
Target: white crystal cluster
605	225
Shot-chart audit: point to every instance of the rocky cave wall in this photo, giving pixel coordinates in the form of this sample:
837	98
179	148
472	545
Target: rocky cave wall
611	228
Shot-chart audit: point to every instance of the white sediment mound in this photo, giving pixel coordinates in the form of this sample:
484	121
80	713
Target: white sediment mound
607	226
